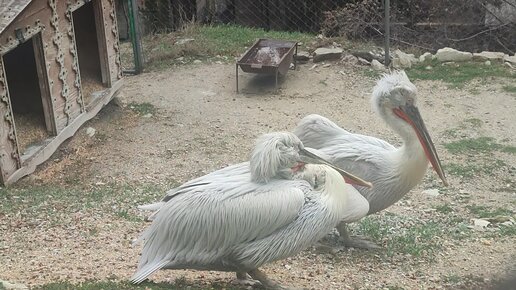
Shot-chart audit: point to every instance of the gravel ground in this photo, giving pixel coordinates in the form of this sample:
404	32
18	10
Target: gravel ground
196	123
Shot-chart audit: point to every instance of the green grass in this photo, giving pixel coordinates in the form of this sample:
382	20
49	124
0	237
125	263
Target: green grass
478	145
445	208
50	201
215	42
457	75
474	168
179	283
417	239
142	108
482	211
510	89
110	285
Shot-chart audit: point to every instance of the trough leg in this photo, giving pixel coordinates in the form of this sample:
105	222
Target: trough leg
237	78
276	85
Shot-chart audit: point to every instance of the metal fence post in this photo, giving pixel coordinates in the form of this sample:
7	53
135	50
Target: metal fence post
387	7
134	31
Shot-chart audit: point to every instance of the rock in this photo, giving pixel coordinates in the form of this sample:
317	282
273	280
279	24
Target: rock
324	53
149	115
450	54
351	59
487	62
510	59
450	63
313	67
376	65
403	60
90	131
184	40
13	286
367	55
429	67
425	57
488	55
327	65
480	224
363	61
218	62
508	65
197	61
499	219
433	192
302	56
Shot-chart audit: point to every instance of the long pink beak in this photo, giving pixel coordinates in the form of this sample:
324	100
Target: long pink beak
410	114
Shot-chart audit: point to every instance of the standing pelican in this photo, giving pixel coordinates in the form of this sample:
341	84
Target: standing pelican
243	216
393	171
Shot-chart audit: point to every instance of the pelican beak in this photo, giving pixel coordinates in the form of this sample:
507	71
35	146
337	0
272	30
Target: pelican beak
410	114
309	157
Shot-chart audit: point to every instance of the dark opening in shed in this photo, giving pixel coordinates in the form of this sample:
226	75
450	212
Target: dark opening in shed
23	82
86	38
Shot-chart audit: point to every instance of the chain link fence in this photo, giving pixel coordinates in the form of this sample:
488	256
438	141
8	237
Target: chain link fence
474	25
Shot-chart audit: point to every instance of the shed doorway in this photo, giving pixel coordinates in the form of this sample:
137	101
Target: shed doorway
92	66
27	83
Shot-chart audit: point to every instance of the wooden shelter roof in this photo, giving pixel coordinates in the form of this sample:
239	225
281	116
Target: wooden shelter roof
9	9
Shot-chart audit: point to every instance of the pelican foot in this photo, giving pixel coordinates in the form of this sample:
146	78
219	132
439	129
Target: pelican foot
268	283
322	248
244	280
358	243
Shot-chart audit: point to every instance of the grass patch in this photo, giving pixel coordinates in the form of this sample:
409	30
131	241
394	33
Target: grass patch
459	74
416	238
478	145
445	208
50	201
111	285
483	211
221	42
509	88
142	108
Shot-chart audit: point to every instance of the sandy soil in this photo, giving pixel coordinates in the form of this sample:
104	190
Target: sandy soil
201	124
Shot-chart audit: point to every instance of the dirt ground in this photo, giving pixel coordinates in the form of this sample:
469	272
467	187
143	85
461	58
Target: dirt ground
199	124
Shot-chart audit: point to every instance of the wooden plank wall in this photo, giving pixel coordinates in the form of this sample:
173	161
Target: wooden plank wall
53	20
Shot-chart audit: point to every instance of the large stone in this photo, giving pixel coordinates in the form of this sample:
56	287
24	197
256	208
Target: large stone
302	56
488	55
378	66
12	286
403	60
367	55
511	59
425	57
324	53
450	54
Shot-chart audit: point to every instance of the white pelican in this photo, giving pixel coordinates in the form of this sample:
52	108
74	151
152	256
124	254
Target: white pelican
393	171
243	216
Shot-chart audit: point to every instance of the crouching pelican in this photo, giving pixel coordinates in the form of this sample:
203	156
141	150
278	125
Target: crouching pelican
393	171
243	216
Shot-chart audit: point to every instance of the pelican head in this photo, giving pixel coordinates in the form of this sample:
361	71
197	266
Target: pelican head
282	155
394	98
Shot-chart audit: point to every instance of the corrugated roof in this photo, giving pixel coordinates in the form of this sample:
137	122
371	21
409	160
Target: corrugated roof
9	9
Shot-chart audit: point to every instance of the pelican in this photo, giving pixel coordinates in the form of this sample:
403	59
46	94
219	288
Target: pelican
243	216
393	171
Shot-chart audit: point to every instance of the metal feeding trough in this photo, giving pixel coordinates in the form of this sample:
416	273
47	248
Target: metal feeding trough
268	56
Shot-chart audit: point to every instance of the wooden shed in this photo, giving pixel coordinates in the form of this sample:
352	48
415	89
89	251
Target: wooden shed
59	65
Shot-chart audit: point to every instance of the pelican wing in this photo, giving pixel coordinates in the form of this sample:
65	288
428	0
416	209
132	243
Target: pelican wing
200	226
359	154
226	173
317	132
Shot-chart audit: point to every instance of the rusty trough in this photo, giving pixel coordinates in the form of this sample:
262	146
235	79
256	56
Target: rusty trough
268	56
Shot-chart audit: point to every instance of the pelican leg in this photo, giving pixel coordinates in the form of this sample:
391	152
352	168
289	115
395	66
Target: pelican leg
349	242
245	280
266	282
